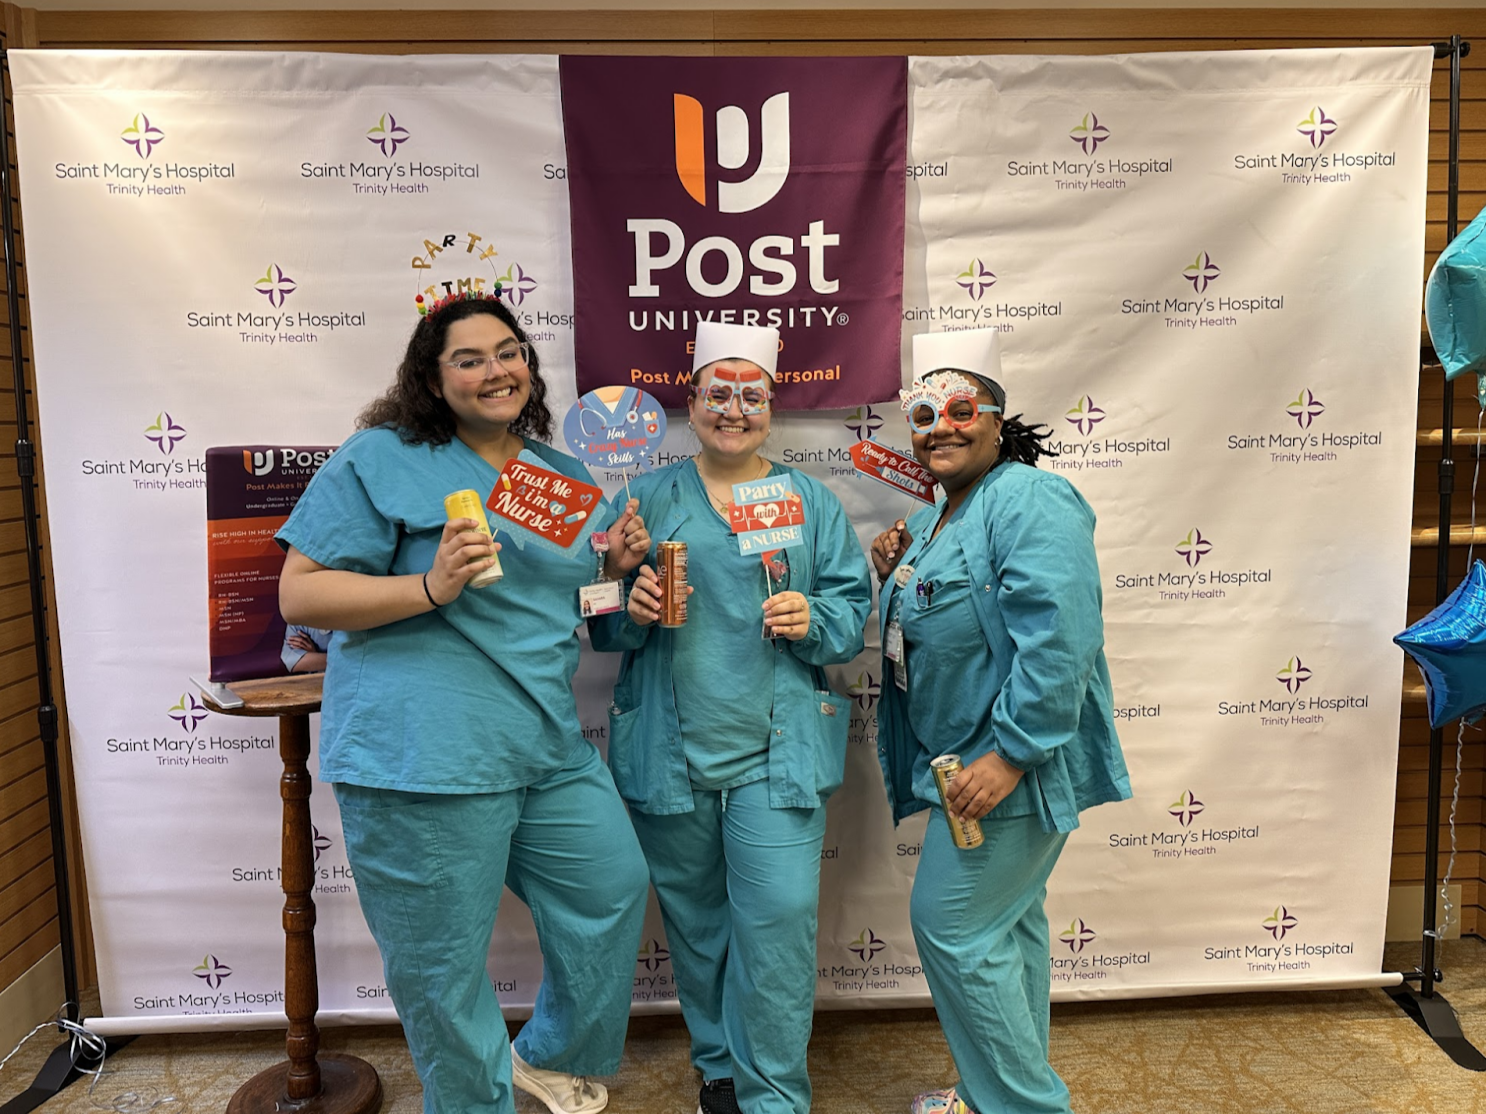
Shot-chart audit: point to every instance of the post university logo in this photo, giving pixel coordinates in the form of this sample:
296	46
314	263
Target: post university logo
736	190
733	145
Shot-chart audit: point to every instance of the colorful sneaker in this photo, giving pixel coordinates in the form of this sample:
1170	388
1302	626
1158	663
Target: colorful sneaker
717	1097
940	1102
562	1093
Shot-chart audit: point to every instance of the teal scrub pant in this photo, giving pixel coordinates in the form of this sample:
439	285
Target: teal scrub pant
429	870
739	886
983	940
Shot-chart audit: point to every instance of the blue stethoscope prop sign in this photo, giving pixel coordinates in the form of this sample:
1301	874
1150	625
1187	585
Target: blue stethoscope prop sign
615	429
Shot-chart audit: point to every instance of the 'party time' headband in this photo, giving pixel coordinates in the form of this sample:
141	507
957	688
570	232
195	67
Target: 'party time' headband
427	310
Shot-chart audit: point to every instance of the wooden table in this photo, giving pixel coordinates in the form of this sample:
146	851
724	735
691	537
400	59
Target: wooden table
307	1082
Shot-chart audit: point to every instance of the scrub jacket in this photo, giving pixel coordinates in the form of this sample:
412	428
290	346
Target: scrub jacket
808	724
1026	540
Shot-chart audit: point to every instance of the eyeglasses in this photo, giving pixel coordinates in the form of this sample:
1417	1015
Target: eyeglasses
747	386
509	358
958	412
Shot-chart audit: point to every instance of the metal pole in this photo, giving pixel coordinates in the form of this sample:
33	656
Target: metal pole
25	457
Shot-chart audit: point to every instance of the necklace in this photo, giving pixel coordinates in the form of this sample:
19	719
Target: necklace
721	505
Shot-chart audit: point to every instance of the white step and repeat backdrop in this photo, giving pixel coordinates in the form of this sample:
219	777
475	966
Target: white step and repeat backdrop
1207	271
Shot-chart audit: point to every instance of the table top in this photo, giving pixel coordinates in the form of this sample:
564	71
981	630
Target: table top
297	694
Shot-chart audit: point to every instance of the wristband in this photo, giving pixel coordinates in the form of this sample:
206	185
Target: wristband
429	594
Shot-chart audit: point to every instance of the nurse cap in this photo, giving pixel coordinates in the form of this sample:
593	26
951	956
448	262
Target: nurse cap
976	351
719	341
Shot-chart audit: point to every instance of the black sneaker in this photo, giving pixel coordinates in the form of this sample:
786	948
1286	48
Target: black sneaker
717	1098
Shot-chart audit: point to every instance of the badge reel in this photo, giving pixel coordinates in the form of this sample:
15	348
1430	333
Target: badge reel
602	597
892	645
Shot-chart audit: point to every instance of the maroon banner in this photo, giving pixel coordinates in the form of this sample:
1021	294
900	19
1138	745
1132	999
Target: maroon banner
757	191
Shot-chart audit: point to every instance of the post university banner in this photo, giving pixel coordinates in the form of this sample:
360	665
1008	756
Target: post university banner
1206	272
784	210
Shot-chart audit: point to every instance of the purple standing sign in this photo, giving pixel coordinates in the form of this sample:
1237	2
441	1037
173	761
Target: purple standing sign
764	191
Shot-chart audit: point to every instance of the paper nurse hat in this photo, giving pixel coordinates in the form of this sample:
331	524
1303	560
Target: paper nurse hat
719	341
976	351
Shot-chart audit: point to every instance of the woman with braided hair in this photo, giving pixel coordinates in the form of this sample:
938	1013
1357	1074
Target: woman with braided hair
993	647
450	730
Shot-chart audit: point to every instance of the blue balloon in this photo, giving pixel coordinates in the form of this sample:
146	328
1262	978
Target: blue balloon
1455	302
1450	646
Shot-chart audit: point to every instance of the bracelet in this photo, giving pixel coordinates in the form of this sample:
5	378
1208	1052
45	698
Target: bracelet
429	594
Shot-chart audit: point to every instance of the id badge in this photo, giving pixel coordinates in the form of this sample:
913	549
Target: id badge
600	598
900	674
892	645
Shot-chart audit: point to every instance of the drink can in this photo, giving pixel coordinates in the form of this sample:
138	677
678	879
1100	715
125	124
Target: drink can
467	504
670	571
966	832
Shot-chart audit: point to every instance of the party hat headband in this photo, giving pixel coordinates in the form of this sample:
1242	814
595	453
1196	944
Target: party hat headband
425	309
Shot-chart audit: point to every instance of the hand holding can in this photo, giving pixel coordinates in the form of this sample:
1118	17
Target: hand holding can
466	504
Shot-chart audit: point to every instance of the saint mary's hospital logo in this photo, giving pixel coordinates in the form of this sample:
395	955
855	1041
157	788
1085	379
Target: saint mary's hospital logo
734	149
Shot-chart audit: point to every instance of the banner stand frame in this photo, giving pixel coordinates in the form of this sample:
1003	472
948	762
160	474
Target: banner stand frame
72	1059
1428	1008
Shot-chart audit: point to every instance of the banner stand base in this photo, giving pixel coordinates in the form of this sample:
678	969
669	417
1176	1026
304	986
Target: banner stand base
1437	1018
60	1070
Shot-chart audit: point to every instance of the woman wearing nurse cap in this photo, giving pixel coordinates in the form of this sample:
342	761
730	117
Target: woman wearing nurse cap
993	643
725	740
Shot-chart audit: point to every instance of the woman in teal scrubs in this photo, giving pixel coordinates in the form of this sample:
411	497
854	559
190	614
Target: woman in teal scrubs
450	732
725	741
993	643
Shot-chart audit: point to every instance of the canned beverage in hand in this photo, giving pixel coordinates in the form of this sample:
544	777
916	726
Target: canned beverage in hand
966	832
670	573
466	504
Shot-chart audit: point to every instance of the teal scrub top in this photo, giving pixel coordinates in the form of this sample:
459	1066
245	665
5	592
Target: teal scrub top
721	665
475	697
945	649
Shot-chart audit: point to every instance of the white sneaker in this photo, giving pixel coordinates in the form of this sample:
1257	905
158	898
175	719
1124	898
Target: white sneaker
562	1093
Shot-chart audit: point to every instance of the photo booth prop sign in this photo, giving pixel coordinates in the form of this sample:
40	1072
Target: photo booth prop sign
536	502
767	514
896	469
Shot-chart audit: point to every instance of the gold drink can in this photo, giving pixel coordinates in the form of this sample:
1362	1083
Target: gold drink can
966	832
670	571
467	504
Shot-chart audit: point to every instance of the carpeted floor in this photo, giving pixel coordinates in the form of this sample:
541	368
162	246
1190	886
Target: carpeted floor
1339	1052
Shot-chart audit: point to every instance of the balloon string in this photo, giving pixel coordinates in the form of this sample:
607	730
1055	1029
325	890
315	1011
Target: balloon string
1450	910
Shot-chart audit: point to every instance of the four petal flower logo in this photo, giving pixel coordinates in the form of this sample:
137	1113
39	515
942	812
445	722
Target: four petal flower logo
864	422
213	970
1305	409
1202	272
1077	935
165	433
143	136
1085	416
1316	127
1293	674
516	284
653	954
867	945
275	285
1280	922
1186	808
188	711
387	134
1088	133
1194	547
975	279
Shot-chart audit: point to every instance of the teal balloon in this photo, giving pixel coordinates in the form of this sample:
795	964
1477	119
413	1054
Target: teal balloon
1455	302
1450	646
